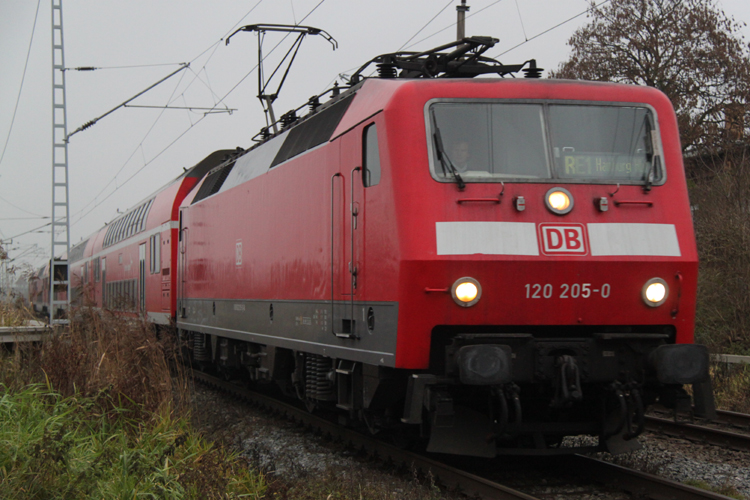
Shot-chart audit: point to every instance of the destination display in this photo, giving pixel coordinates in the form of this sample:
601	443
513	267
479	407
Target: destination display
603	165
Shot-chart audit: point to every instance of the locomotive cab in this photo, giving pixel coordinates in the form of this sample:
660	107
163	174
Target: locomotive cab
563	267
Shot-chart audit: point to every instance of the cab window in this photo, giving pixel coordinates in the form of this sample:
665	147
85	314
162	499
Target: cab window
370	157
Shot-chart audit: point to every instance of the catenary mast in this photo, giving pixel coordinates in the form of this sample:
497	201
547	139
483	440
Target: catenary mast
60	229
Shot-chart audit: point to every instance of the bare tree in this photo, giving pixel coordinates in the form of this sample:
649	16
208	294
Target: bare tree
688	49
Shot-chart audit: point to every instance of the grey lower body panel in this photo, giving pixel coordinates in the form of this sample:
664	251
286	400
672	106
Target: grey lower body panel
309	326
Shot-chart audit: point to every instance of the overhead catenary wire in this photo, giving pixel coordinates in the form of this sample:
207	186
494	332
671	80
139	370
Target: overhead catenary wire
19	208
132	66
137	148
201	118
80	214
552	28
23	78
423	27
453	24
30	231
25	218
520	18
95	120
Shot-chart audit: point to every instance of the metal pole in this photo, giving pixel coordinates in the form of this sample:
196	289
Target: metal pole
461	23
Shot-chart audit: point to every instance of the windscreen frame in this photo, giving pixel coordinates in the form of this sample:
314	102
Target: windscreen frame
436	169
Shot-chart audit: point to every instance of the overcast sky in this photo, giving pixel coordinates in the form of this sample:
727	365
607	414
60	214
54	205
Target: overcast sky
134	151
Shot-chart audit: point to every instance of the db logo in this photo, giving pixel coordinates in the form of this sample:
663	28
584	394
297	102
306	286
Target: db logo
563	239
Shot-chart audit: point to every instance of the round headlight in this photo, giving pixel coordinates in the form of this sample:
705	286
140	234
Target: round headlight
655	292
559	200
466	291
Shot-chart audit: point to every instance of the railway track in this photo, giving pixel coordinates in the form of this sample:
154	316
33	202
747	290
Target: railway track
637	484
717	433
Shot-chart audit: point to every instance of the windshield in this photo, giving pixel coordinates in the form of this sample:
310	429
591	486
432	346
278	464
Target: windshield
486	142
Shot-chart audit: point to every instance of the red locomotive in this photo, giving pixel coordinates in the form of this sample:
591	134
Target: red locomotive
496	262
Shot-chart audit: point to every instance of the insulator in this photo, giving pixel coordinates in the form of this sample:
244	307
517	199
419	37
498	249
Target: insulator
532	71
264	133
386	70
288	118
336	91
313	103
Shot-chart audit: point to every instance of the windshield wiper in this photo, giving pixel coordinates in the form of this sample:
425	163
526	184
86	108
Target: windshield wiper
445	159
653	156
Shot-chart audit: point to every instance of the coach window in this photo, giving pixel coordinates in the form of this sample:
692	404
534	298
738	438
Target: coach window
97	269
131	224
120	229
154	250
370	157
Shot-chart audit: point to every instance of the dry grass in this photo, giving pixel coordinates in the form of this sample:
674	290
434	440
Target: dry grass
732	386
118	361
15	313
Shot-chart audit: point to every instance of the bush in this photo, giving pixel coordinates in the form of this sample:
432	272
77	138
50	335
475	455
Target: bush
722	225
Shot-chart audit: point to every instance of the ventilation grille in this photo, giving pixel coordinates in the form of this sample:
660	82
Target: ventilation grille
312	132
213	182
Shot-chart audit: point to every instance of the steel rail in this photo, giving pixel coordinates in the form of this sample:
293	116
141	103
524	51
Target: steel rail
451	477
741	420
693	432
723	417
636	483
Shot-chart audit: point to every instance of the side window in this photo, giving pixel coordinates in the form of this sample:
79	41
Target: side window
370	157
154	250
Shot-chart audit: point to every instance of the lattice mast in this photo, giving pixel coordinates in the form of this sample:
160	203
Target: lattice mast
59	289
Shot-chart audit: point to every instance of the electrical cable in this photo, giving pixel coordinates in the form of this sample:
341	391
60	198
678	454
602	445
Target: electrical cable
520	18
29	231
198	121
453	24
19	208
25	218
423	27
140	146
25	66
95	68
552	28
171	99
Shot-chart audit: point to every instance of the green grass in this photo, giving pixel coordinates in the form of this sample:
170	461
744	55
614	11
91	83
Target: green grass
63	447
725	490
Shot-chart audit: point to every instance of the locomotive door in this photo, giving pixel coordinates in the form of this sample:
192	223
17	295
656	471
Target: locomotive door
142	277
347	225
104	283
181	269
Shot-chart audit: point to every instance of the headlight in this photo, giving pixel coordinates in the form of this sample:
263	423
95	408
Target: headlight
559	201
466	291
655	292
